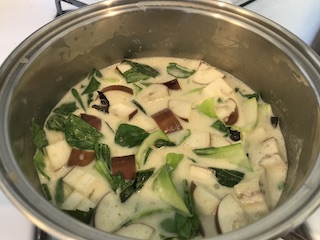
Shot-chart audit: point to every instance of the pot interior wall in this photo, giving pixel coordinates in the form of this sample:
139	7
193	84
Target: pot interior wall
66	53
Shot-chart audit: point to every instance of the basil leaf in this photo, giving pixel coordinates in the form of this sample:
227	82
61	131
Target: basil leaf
129	135
80	134
59	194
227	177
56	122
40	164
39	138
82	216
93	86
77	97
66	108
178	71
144	69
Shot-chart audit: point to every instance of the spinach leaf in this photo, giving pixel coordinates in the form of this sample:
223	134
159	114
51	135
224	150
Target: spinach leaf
139	72
39	138
80	134
227	177
82	216
129	135
178	71
59	194
66	108
77	97
40	164
56	122
46	191
251	95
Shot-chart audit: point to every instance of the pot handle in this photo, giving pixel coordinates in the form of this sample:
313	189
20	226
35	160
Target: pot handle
72	2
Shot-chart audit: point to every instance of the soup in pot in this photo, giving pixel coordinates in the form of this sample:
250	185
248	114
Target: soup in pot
162	148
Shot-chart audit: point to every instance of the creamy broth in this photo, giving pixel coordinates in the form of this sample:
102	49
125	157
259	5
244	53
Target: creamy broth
250	147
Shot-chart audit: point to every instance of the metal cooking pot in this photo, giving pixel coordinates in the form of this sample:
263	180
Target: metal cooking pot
264	55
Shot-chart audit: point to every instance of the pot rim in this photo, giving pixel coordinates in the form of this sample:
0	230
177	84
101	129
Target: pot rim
33	205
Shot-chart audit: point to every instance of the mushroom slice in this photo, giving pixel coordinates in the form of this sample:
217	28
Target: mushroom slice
167	121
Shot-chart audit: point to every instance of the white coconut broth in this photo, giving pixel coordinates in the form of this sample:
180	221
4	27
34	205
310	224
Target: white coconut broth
254	167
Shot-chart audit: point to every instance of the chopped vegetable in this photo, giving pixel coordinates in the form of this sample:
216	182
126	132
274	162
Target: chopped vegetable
40	164
124	164
83	216
233	153
207	107
92	120
39	138
59	192
164	187
66	108
80	157
147	143
77	96
129	135
94	83
167	121
138	72
46	191
56	122
80	134
173	84
178	71
227	177
173	159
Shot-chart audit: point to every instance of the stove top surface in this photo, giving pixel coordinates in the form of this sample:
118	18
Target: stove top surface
20	18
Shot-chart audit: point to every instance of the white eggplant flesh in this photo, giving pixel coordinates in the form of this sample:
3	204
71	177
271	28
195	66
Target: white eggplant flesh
136	231
230	216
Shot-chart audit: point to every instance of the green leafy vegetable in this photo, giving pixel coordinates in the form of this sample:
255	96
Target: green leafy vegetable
80	134
56	122
78	98
233	153
59	193
39	138
139	72
94	83
159	143
173	159
66	108
114	181
249	96
164	187
129	135
218	125
179	71
82	216
46	191
40	164
137	184
147	143
207	107
187	227
102	151
227	177
138	105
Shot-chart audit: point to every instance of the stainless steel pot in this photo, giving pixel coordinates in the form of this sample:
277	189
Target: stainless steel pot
264	55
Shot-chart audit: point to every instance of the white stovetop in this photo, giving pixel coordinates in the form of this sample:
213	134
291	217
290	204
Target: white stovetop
20	18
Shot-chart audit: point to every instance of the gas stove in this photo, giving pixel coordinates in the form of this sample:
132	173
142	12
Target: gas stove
20	18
